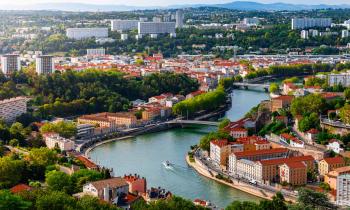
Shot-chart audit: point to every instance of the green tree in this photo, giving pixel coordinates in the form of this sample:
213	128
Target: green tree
81	177
345	114
274	88
63	128
314	200
14	142
347	93
93	203
224	123
55	200
57	180
245	205
42	156
10	171
8	201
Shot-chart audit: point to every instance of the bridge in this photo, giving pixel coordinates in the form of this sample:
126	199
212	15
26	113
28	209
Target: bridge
193	122
253	85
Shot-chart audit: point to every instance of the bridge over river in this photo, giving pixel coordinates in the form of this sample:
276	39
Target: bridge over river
193	122
247	85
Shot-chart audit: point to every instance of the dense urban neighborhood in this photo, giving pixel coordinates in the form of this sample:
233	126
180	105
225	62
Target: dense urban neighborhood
74	83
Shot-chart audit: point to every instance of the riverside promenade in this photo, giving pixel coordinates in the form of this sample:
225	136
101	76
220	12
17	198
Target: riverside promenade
257	191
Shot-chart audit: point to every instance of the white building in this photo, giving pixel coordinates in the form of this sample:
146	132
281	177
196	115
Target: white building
342	78
10	63
304	34
335	146
12	108
343	190
179	17
219	151
53	139
249	170
96	52
156	28
302	23
124	25
44	64
83	33
124	37
344	33
251	21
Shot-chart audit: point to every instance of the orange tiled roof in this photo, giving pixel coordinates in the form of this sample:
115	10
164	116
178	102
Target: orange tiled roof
20	188
260	152
334	160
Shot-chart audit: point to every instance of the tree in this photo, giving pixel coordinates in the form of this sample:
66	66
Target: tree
42	156
307	104
224	123
81	177
314	200
63	128
55	200
57	180
93	203
245	205
8	201
308	122
10	171
14	142
347	93
274	88
278	202
345	114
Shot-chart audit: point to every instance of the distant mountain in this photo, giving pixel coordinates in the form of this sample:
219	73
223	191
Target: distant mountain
237	5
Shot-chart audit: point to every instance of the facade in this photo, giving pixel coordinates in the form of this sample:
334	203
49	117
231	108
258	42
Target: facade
10	63
219	151
344	33
303	23
84	33
85	130
341	78
96	52
251	21
179	16
331	177
53	140
329	164
281	102
238	132
109	120
12	108
156	28
343	190
304	34
335	146
124	25
294	173
137	184
249	170
44	64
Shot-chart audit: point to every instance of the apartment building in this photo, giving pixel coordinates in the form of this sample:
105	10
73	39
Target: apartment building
331	177
179	17
343	190
124	25
137	184
84	33
339	79
219	151
106	119
248	169
156	28
329	164
53	140
44	64
10	63
294	173
255	156
302	23
11	108
96	52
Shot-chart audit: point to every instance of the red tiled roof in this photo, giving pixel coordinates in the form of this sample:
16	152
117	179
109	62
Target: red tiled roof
280	161
20	188
334	160
284	98
313	131
296	165
287	136
260	152
220	143
87	163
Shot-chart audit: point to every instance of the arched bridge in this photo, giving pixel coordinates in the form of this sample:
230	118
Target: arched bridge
253	85
193	122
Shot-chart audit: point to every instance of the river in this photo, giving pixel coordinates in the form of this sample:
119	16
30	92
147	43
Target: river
144	155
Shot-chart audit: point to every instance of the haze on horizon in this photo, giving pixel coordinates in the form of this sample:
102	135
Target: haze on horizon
168	2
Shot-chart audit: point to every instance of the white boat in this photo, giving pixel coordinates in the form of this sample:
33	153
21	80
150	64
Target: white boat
167	164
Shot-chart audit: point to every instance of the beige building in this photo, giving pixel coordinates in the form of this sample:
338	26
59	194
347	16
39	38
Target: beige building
53	140
294	173
219	151
331	177
111	120
281	102
329	164
11	108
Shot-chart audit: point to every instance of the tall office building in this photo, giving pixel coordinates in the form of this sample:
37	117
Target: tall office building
124	25
10	63
83	33
179	18
156	28
44	64
302	23
343	190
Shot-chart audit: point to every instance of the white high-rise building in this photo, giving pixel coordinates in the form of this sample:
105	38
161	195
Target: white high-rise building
45	64
96	52
179	17
344	33
124	25
304	34
251	21
10	63
343	190
12	108
302	23
124	37
156	28
84	33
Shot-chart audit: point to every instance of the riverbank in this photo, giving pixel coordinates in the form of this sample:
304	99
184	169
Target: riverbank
235	184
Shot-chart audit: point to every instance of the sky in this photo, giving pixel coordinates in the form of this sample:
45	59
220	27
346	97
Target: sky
169	2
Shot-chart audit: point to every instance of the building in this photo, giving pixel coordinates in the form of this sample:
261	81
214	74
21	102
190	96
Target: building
10	63
248	169
238	132
96	52
179	17
331	177
302	23
341	78
156	28
343	190
85	130
294	173
251	21
219	151
304	34
108	190
137	184
329	164
44	64
124	37
84	33
124	25
255	155
335	146
344	33
281	102
54	140
12	108
110	120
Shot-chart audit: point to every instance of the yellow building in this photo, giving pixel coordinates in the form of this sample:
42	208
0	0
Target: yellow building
331	177
329	164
